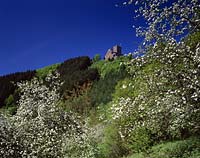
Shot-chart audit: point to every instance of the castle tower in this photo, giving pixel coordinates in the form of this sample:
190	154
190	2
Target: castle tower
113	53
117	49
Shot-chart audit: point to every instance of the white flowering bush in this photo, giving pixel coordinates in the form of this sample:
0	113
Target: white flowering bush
43	128
9	145
81	145
160	101
164	97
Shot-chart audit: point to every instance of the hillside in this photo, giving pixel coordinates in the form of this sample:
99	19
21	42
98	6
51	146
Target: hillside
128	107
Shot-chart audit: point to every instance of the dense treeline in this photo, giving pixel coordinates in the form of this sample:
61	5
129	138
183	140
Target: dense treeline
76	72
7	85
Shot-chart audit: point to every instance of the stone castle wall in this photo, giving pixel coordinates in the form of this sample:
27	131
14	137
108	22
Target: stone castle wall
113	53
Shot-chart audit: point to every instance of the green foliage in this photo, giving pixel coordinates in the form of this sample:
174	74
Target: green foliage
105	67
137	84
96	58
137	155
134	111
101	92
111	72
43	72
139	140
8	110
192	40
9	101
111	146
80	104
10	107
182	149
189	148
129	88
93	117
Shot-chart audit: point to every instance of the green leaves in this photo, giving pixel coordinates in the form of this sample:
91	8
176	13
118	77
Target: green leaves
9	101
96	58
189	148
43	72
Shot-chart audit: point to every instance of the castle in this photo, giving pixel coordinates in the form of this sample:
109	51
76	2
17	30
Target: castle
113	53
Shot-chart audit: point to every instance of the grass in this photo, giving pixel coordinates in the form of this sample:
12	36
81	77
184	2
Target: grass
189	148
43	72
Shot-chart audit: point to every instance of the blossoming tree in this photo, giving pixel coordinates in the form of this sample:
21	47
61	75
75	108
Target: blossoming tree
40	128
166	19
166	101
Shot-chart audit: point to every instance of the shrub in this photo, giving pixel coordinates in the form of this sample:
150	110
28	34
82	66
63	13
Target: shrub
43	129
189	148
96	58
139	140
111	146
10	100
10	107
9	110
182	149
10	146
43	72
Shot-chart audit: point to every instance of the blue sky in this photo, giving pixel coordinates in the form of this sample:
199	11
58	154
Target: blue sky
37	33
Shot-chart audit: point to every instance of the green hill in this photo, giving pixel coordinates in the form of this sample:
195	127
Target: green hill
145	107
